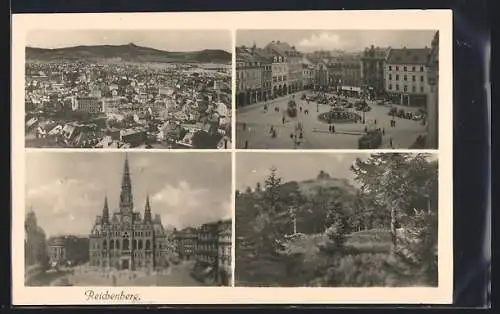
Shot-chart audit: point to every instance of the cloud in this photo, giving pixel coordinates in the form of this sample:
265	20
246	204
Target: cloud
183	205
324	40
180	195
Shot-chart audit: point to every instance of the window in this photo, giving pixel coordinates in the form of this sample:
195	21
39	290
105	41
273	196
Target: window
413	69
390	68
404	68
414	89
397	77
148	245
397	86
139	244
390	77
134	244
397	68
413	78
405	78
421	69
405	88
125	244
117	244
390	86
112	245
421	78
421	89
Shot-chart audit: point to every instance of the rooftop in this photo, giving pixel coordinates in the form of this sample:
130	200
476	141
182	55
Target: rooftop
408	56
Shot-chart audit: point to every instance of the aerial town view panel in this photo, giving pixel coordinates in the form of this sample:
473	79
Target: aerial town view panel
128	89
347	89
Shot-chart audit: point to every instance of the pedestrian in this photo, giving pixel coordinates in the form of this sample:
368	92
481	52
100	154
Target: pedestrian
329	128
383	131
283	120
333	128
390	142
246	144
366	129
291	135
375	121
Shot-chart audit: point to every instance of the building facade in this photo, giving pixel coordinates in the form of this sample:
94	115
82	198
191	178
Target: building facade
308	74
35	248
125	240
248	77
406	76
372	70
185	242
350	65
224	233
432	109
56	251
88	104
266	60
293	60
213	252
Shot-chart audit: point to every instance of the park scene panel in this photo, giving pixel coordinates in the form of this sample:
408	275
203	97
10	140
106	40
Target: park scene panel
338	220
136	219
337	89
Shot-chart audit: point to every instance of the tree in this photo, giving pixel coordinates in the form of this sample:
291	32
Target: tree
392	181
272	186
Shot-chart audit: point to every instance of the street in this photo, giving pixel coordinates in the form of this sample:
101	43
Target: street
315	132
174	276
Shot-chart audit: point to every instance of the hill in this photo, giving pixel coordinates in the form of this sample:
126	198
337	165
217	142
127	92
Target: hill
311	187
127	53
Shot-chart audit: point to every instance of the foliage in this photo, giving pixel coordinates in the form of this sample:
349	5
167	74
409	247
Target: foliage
202	139
344	236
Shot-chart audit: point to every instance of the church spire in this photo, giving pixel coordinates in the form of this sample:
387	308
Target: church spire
105	211
147	211
126	199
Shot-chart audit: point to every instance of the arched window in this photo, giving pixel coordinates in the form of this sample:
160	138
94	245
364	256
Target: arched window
148	245
117	244
140	244
112	245
134	244
125	244
104	244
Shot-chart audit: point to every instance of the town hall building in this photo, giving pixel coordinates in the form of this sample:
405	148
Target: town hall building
124	239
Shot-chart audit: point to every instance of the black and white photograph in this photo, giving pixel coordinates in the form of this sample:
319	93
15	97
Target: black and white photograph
337	89
161	89
336	220
137	219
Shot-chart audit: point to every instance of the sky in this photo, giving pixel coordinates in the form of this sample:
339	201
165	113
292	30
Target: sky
167	40
348	40
67	189
255	167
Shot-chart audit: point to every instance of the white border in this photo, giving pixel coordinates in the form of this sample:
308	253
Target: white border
383	20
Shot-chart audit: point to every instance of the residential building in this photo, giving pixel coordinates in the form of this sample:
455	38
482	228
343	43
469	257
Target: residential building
406	76
266	60
350	73
56	251
279	70
293	59
224	231
88	104
207	251
248	77
185	242
308	74
372	70
111	104
432	109
124	239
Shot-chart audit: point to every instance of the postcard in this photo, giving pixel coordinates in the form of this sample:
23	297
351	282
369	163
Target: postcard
232	158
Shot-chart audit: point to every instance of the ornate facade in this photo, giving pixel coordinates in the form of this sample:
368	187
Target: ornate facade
125	240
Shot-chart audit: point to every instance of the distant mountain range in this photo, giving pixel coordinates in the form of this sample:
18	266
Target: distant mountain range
127	53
